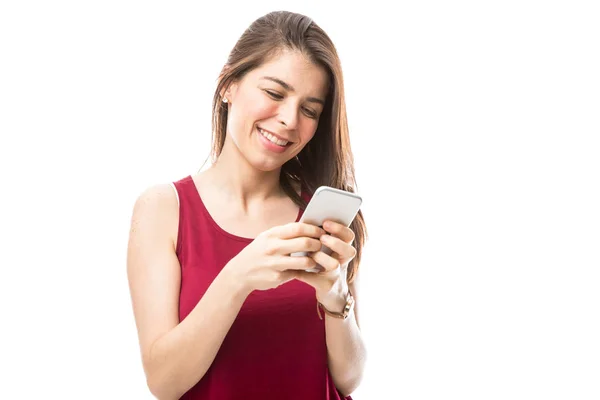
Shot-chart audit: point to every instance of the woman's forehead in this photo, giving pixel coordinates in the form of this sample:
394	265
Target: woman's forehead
294	70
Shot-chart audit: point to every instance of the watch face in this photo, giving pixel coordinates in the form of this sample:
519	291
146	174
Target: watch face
349	305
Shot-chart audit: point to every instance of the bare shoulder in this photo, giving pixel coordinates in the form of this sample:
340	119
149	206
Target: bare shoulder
160	196
157	208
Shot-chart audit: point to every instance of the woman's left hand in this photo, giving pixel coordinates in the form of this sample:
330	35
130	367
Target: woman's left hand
330	285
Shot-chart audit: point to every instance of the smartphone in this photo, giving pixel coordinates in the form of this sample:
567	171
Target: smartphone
333	204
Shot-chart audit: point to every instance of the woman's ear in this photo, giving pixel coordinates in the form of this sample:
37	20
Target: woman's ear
224	94
229	92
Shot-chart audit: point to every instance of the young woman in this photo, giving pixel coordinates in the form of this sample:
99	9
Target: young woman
222	309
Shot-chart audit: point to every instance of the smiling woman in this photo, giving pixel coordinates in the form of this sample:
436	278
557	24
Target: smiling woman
279	103
222	309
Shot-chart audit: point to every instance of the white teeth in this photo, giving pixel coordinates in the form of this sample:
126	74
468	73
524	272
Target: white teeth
273	138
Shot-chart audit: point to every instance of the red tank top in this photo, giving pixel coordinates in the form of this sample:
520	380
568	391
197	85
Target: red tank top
276	347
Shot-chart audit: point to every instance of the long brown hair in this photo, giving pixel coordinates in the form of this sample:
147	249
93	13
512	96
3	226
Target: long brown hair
327	159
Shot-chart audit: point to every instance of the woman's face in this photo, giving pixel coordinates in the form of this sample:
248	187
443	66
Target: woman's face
274	110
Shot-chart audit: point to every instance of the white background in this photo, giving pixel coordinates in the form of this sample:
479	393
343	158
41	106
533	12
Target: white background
475	130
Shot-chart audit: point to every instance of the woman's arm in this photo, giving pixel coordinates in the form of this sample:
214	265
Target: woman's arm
345	347
175	355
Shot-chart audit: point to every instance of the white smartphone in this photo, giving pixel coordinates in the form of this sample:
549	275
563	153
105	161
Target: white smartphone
333	204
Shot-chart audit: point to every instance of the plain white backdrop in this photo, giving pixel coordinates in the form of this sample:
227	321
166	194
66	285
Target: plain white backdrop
475	132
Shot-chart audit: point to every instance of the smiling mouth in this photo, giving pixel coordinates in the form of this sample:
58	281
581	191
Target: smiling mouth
272	138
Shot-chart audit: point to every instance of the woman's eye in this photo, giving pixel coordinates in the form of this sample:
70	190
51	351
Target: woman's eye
310	113
274	95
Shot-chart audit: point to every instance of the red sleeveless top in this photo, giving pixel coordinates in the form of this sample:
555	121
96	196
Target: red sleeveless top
276	347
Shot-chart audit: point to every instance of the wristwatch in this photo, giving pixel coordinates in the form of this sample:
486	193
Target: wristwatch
342	315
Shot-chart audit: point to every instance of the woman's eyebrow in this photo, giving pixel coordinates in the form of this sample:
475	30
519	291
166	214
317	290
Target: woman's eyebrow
289	88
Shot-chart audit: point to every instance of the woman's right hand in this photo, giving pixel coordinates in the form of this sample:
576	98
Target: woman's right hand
266	262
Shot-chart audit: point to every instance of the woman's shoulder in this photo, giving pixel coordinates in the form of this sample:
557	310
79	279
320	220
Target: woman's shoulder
157	207
157	195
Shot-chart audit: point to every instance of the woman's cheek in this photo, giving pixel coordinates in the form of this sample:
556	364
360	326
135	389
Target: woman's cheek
264	107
